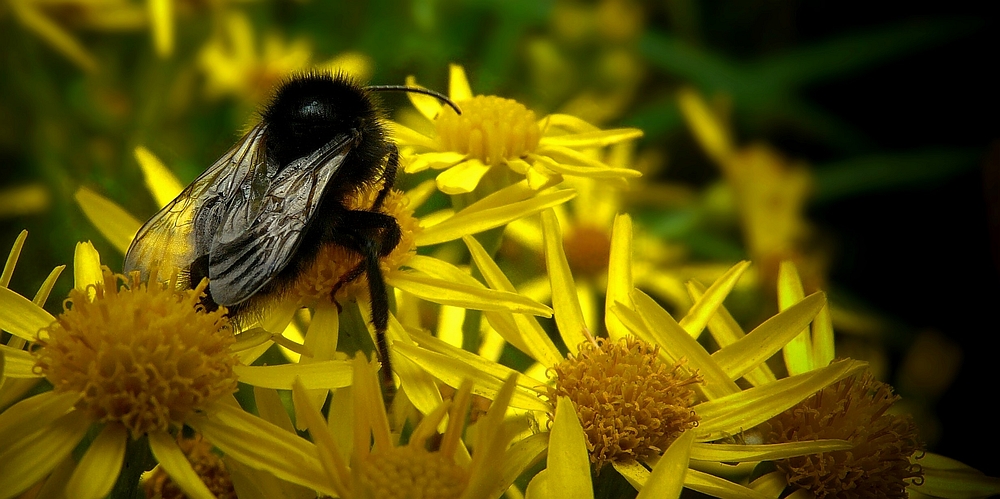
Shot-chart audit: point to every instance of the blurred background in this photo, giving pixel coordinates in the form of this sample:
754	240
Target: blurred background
874	131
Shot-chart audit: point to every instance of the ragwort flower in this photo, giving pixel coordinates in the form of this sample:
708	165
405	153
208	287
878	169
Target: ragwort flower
656	383
494	131
131	363
885	458
430	464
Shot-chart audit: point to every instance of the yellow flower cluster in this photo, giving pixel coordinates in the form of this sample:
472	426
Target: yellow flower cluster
531	321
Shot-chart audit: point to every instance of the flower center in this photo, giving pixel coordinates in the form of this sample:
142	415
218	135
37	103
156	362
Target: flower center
412	472
630	404
853	409
491	129
143	356
334	261
587	250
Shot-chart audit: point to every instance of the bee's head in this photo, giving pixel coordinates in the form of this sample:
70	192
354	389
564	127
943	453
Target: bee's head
308	111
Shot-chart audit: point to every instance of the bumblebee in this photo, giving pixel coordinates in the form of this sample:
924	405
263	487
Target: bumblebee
256	219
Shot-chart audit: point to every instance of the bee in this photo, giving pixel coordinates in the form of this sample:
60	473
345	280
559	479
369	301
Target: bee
257	218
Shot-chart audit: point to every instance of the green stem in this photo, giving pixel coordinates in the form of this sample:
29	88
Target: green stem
138	460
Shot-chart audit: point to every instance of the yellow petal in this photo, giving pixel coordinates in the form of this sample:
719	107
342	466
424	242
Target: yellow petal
427	105
332	460
946	477
403	135
29	459
726	331
594	170
477	218
17	363
568	461
262	445
458	83
271	409
567	122
160	181
162	19
620	282
434	161
31	414
46	288
822	337
798	352
667	478
567	310
114	223
521	331
719	487
54	35
707	129
704	308
676	344
22	318
457	294
538	487
459	365
87	268
15	253
99	467
600	138
175	463
760	344
462	178
519	458
764	452
325	374
731	414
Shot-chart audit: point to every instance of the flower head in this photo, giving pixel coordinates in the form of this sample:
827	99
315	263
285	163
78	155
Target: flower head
495	132
854	409
143	356
428	465
125	357
630	403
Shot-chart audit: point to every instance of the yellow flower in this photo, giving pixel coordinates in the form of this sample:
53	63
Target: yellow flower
129	362
770	193
624	437
885	457
234	65
43	17
429	464
494	131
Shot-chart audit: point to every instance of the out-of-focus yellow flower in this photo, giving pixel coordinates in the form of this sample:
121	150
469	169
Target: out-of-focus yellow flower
50	20
585	223
497	132
131	361
24	200
234	65
379	468
770	192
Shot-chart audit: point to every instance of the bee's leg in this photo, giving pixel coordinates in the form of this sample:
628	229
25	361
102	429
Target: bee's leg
388	177
372	235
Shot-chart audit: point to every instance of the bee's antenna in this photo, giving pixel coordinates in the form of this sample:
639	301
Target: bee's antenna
416	90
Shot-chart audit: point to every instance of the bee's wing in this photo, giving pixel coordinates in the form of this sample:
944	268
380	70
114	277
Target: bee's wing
251	246
183	230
